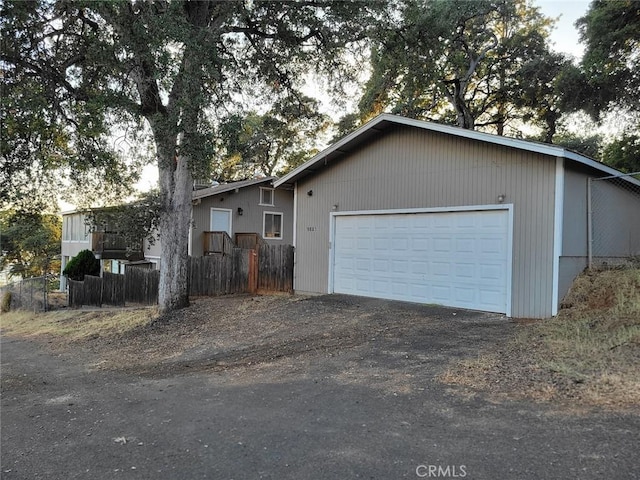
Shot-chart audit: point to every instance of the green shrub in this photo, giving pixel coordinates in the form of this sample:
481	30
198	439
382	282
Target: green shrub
82	264
5	305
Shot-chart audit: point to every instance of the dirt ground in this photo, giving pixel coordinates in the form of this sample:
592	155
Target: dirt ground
239	331
290	387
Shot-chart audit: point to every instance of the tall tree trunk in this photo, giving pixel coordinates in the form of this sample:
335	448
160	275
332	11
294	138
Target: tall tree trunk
175	221
457	100
551	119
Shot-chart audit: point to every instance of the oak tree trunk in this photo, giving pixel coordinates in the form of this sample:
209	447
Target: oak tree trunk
175	221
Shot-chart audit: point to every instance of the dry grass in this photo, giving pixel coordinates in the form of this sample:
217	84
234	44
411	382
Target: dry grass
74	325
589	353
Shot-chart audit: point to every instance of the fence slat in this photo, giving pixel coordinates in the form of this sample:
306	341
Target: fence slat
92	290
275	268
141	285
113	289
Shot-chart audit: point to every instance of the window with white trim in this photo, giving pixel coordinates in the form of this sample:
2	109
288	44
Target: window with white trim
272	225
266	196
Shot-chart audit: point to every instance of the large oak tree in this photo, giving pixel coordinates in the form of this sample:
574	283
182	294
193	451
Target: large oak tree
97	64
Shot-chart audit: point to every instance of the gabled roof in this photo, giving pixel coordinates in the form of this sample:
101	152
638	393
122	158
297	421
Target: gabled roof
227	187
374	127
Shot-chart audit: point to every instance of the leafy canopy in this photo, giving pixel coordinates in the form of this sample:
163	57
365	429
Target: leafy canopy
611	63
272	143
476	64
30	243
56	121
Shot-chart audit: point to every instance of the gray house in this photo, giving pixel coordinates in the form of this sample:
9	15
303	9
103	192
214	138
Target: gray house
246	207
411	210
246	211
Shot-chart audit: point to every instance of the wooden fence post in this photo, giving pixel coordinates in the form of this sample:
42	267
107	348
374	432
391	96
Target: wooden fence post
253	271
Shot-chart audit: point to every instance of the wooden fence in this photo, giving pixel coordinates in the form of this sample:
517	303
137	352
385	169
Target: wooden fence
275	268
220	274
249	240
139	285
267	269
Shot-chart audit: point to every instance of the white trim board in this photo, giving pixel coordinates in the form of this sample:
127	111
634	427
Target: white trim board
558	216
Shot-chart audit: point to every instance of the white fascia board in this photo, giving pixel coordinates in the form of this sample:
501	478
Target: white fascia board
227	187
480	136
336	146
544	149
599	166
558	221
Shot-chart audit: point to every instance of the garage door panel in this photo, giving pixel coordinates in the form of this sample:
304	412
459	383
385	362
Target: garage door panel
451	258
466	295
465	271
419	267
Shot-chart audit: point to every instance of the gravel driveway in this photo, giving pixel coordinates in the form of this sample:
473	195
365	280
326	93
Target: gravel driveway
279	387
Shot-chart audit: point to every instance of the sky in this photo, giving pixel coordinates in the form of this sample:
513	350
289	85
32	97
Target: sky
565	36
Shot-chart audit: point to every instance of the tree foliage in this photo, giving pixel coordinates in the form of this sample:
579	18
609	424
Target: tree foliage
607	81
177	65
53	119
30	243
589	145
623	153
272	143
84	263
475	64
611	63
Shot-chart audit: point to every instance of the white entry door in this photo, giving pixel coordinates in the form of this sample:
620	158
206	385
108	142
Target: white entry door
221	220
458	259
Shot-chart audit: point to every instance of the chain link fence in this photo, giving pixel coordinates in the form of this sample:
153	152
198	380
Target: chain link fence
27	294
614	220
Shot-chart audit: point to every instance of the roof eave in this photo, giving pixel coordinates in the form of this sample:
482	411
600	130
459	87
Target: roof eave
526	145
219	189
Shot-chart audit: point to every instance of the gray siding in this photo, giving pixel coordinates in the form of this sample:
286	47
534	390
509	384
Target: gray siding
251	220
573	257
570	268
412	168
616	223
574	228
616	216
615	220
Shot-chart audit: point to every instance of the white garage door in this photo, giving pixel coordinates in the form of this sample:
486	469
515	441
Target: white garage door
458	259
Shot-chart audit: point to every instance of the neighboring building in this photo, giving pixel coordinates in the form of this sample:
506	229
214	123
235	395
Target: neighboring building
411	210
75	238
249	206
252	207
109	247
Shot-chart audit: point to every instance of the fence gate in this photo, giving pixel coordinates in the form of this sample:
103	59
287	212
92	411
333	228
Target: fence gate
275	268
613	219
